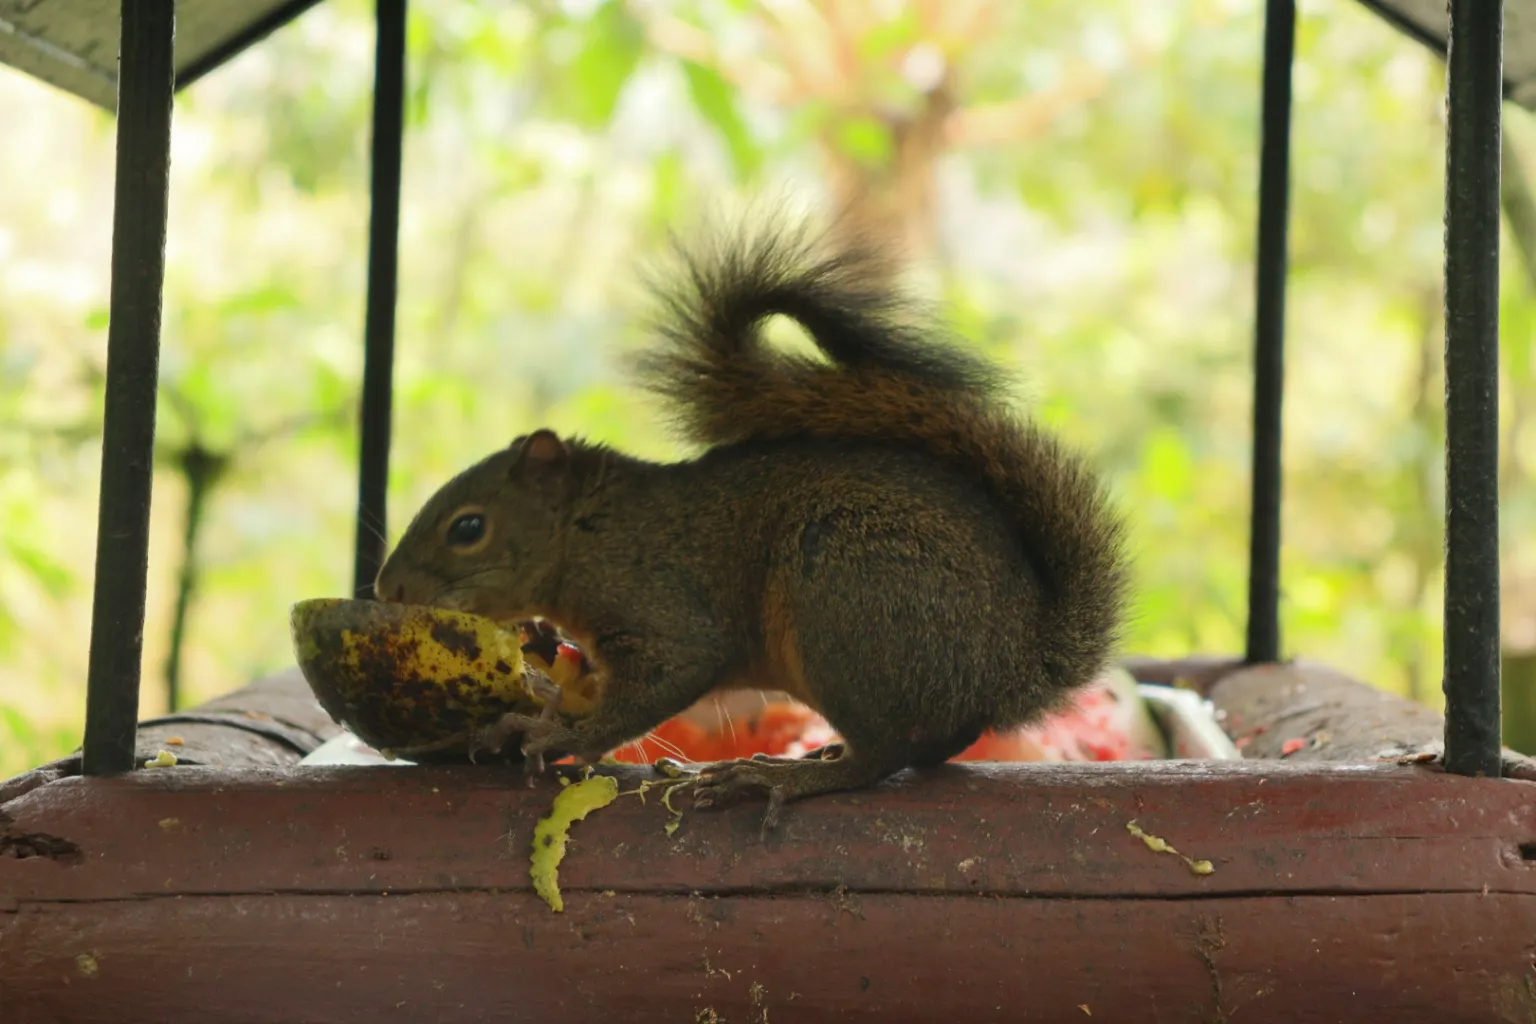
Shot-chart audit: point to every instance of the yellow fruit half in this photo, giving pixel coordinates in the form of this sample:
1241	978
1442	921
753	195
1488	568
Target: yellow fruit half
406	676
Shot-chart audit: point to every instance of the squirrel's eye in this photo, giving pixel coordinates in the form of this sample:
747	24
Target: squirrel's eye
466	530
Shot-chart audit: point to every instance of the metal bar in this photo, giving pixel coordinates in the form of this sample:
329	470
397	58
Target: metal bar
242	40
383	267
1474	113
145	89
1269	334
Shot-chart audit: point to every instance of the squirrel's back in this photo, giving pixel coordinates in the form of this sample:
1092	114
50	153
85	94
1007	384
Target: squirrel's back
889	377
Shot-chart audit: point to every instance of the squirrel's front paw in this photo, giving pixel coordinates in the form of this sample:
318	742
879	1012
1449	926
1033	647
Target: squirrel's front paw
540	735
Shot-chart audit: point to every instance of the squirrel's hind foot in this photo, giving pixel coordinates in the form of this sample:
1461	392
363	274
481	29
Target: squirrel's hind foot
723	784
784	780
830	752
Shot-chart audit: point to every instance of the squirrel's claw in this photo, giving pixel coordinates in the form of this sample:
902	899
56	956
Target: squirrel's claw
830	752
784	781
540	734
722	784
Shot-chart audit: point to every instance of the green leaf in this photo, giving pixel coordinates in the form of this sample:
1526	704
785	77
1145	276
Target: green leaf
885	39
607	56
48	572
1518	329
716	102
669	190
867	140
18	728
1168	466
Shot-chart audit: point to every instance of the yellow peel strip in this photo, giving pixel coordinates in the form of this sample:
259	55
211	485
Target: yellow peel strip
572	804
1157	844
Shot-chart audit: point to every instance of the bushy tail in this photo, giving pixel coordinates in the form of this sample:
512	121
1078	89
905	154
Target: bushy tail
891	377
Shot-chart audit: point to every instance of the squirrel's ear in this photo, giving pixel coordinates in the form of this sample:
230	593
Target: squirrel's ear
541	450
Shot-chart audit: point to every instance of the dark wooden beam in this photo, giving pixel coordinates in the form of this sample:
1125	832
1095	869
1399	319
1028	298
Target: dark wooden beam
273	722
883	958
970	893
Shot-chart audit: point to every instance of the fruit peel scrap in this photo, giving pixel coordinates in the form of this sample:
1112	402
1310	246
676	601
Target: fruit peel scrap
1157	844
572	804
668	786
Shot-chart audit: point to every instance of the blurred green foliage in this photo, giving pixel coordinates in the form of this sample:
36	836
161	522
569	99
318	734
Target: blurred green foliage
1105	250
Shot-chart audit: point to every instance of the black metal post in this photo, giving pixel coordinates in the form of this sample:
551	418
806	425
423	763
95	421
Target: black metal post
144	96
1269	333
383	267
1474	111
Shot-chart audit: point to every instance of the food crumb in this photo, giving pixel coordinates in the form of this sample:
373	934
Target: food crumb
175	741
86	964
164	759
1292	745
169	822
676	821
1157	844
1084	1008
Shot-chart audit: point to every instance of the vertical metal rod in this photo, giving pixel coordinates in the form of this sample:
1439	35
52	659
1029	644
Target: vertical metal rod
140	202
383	273
1269	333
1474	112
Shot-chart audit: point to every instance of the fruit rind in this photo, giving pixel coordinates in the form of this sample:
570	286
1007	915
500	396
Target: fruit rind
572	804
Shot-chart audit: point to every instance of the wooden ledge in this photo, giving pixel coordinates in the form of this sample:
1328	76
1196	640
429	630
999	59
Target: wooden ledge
1006	892
1018	829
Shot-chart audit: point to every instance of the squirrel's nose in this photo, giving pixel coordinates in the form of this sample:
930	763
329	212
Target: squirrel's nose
381	592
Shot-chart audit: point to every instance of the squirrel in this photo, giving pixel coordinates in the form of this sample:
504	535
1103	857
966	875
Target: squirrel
872	532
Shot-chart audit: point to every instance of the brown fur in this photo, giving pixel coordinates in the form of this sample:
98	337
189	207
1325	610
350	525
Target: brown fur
874	533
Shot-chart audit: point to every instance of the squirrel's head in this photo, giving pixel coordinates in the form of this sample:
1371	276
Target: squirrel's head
487	541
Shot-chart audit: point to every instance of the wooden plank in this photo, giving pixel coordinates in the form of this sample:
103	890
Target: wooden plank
1268	709
1338	719
1013	830
806	958
72	44
272	722
1426	21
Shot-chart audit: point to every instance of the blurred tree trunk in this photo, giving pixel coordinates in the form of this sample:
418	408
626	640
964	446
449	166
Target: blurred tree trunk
884	188
201	470
894	204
